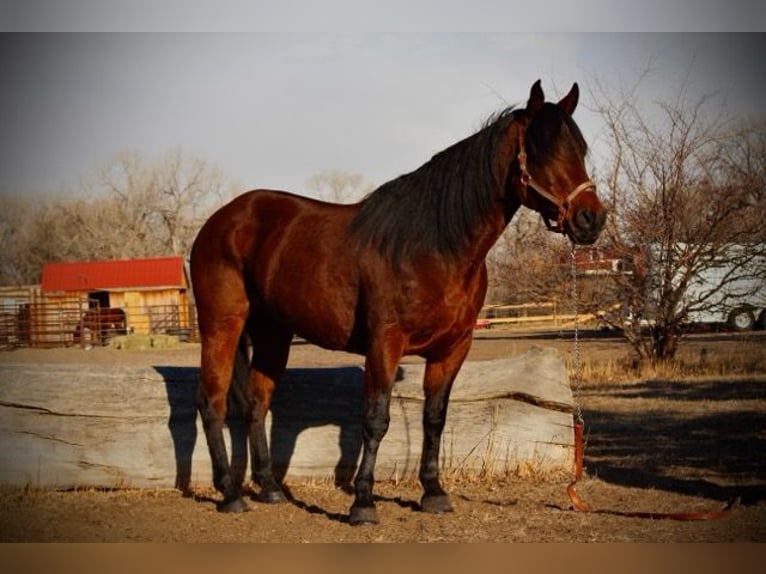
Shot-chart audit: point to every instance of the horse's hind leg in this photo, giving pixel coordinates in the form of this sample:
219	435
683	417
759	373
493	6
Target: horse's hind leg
219	344
271	347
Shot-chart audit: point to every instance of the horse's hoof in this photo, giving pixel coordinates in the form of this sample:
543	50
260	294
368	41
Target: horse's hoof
236	505
362	515
438	504
271	496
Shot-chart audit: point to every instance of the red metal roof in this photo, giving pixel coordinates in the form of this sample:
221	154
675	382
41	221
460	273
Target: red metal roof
114	275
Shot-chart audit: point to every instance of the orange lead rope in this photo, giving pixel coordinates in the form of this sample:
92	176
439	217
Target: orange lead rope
577	502
581	506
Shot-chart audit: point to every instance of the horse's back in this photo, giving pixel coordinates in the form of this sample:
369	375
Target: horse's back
290	257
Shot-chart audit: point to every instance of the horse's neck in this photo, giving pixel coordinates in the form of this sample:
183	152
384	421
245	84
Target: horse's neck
486	237
507	205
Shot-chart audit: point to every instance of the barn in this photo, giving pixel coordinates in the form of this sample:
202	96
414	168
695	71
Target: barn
142	296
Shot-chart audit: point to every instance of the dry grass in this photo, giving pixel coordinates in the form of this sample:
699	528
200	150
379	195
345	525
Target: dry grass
695	361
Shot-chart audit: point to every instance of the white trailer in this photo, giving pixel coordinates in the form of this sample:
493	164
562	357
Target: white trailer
729	293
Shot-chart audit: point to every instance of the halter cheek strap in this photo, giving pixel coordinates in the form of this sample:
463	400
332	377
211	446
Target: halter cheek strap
564	206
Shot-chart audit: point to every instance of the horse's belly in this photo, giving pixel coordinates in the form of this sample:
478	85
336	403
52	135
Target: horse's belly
321	314
323	329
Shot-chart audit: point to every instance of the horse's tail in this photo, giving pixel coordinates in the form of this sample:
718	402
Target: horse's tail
239	399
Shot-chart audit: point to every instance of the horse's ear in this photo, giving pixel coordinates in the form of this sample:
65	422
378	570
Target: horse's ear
569	102
536	99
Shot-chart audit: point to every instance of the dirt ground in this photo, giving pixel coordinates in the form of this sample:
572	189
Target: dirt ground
654	445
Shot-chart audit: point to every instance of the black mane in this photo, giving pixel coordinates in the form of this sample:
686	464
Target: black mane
436	208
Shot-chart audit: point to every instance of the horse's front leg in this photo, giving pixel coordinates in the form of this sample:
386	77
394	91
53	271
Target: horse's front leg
437	385
379	374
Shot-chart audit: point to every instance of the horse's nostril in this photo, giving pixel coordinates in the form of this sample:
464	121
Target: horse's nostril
585	219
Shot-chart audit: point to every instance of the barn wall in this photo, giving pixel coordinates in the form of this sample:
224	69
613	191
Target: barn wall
153	311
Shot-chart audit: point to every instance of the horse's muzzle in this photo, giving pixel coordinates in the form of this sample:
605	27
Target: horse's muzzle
585	225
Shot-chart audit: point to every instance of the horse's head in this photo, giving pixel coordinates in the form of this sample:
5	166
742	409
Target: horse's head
551	176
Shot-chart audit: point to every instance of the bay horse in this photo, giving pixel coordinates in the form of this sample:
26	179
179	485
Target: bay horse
102	323
402	272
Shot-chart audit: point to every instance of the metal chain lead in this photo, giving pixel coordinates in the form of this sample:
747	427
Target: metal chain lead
577	355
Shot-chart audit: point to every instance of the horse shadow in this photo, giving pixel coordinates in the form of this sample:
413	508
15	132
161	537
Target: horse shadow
304	398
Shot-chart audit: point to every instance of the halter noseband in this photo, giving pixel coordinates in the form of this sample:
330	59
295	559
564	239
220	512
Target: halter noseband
564	206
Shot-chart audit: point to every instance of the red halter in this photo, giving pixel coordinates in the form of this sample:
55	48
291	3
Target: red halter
565	205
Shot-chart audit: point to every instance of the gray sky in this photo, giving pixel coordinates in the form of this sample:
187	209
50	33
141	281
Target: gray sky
273	108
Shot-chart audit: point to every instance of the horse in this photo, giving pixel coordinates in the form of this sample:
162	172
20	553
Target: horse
402	272
101	323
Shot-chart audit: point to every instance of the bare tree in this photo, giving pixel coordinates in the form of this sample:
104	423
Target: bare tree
15	215
527	263
339	186
687	202
160	206
127	208
126	191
